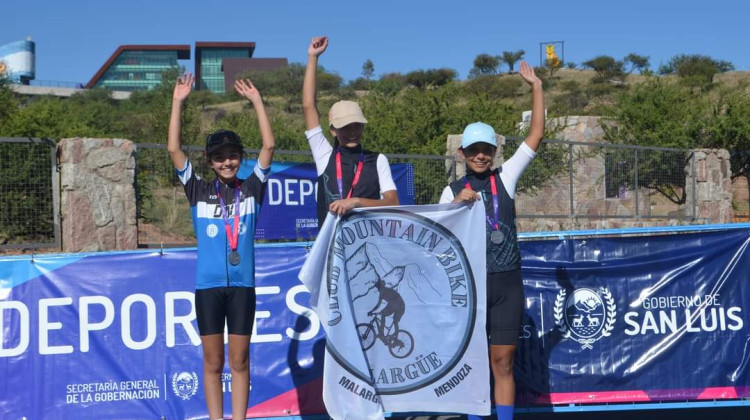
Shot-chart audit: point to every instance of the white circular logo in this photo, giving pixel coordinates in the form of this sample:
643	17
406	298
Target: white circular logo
243	228
212	230
586	315
393	293
185	384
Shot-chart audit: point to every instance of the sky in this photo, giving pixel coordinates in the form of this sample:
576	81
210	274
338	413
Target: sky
75	37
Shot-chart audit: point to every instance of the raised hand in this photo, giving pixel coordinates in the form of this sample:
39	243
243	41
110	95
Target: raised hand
247	90
183	87
317	46
527	73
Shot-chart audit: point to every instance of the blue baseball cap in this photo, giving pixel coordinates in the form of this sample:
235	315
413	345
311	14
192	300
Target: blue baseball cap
478	132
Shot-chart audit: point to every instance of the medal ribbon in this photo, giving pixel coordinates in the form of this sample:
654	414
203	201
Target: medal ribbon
339	175
232	236
495	205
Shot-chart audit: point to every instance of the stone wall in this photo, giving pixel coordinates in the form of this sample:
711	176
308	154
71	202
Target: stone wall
714	185
97	195
550	204
741	198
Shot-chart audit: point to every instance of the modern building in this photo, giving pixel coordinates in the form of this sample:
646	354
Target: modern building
18	61
138	67
208	59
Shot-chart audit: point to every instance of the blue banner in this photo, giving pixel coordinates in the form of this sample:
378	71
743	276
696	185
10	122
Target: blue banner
100	335
628	319
648	318
289	207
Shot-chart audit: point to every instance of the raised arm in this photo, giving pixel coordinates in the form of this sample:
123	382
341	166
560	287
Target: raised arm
182	90
247	90
309	88
536	132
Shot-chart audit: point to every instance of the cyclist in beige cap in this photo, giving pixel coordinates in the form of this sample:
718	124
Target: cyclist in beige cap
348	176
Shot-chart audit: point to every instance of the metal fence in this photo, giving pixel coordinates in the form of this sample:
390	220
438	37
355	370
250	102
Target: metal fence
600	180
566	180
29	194
164	213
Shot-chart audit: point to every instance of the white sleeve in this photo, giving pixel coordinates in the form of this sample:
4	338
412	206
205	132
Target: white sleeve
447	196
261	172
320	147
384	175
513	168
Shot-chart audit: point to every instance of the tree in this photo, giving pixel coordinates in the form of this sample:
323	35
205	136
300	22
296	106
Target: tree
511	58
730	127
607	69
8	103
327	81
286	82
637	62
571	101
494	86
368	69
485	64
675	62
661	114
360	83
390	83
696	71
422	79
418	121
553	61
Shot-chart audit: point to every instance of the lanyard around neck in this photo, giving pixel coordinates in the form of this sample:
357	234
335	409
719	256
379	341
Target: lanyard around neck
493	186
232	236
339	175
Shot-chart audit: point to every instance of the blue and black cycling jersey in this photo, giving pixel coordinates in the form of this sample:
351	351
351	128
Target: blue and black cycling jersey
213	268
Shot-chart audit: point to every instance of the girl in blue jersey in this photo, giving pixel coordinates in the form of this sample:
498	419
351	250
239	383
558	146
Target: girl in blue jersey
496	189
224	212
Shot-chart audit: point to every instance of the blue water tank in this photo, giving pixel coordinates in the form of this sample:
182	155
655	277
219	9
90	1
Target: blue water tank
18	61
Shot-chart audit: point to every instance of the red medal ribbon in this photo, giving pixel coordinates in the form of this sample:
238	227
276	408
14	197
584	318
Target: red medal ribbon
339	175
232	235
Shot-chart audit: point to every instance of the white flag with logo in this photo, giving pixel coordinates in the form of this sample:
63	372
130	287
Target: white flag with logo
401	293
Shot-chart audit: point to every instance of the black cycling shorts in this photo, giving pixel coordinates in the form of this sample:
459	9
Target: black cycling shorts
236	305
505	302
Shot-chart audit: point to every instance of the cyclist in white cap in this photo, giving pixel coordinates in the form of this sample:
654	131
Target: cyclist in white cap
496	189
348	176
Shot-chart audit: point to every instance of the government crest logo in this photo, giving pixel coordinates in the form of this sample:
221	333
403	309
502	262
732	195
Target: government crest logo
185	384
413	297
586	315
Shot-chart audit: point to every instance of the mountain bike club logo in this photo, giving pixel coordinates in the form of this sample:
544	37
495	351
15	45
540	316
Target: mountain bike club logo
412	293
586	315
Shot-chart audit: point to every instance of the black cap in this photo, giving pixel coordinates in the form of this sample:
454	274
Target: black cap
222	138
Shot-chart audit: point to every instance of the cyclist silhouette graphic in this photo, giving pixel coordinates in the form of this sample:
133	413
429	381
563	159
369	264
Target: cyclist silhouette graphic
394	307
400	342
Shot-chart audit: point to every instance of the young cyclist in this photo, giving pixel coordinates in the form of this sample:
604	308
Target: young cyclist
348	176
496	189
224	212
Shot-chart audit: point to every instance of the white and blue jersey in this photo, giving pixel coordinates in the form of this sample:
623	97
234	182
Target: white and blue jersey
213	268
